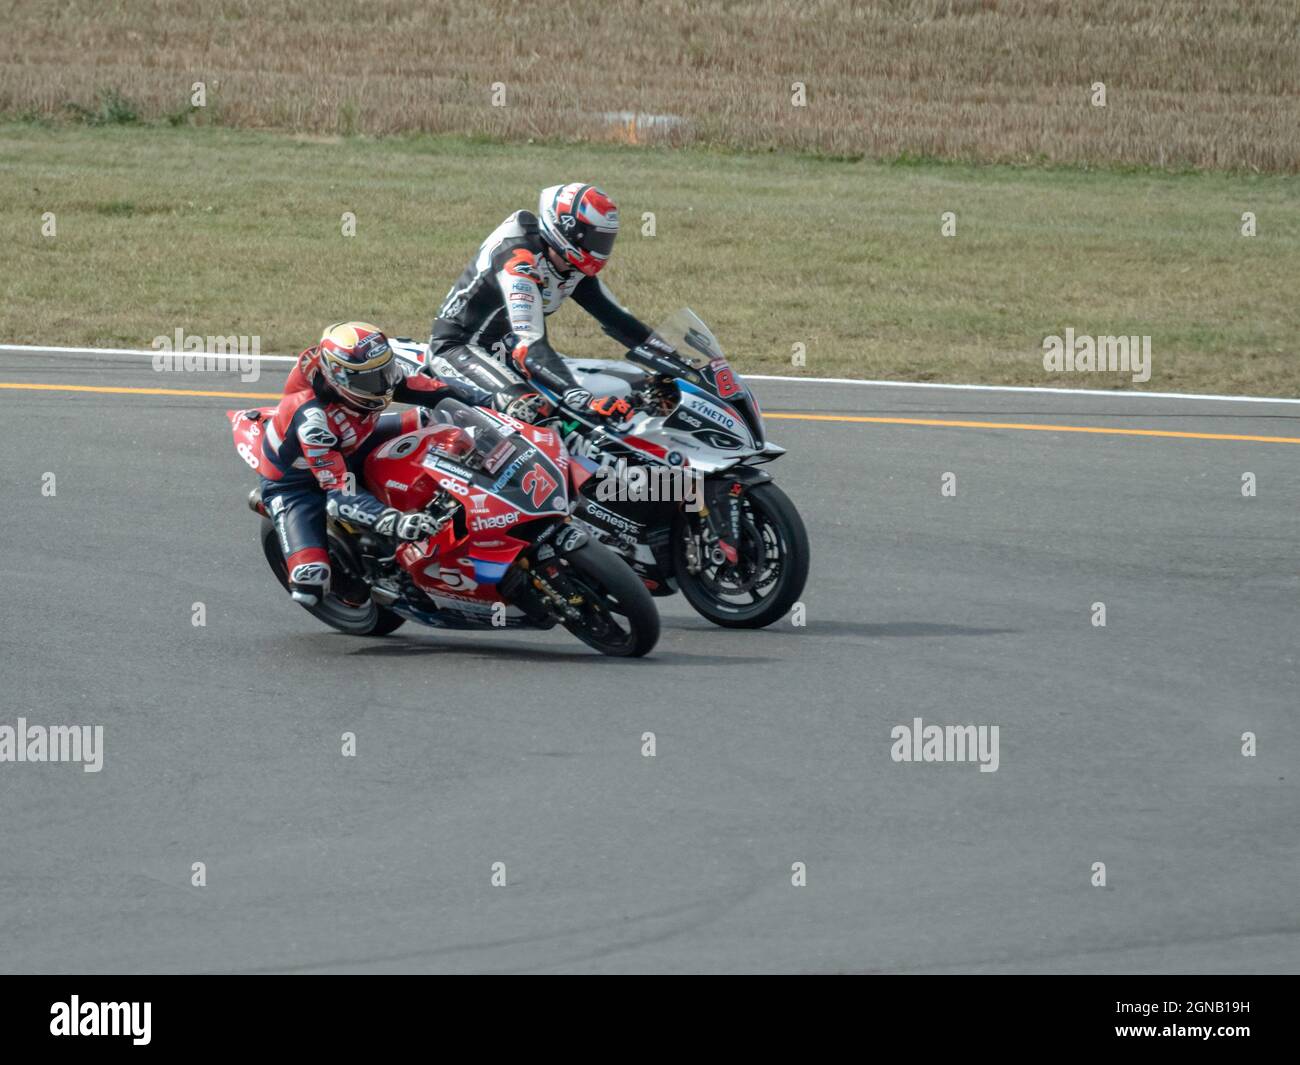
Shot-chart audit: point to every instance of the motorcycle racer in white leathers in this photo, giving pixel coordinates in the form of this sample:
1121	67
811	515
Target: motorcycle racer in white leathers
525	270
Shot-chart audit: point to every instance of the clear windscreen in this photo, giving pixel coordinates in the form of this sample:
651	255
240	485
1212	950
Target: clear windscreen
486	433
695	343
691	337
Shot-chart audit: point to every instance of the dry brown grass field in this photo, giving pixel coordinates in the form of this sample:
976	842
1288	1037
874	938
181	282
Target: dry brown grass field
1189	83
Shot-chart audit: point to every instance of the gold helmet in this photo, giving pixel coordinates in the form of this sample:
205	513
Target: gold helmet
354	359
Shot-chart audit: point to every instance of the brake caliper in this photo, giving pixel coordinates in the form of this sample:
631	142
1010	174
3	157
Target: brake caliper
722	511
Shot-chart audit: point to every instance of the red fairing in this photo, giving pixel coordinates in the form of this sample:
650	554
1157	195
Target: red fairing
409	470
549	443
397	474
246	427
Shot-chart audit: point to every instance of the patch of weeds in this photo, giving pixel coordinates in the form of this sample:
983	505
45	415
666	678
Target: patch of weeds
112	109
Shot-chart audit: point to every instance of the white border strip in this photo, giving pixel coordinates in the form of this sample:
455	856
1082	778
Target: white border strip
1029	389
35	350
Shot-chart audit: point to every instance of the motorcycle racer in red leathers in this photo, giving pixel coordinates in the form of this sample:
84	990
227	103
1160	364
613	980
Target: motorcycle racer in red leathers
331	416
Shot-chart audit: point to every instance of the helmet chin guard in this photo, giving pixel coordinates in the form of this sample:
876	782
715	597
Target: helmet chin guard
580	222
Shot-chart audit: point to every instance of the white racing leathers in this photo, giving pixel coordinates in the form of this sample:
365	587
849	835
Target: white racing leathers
500	303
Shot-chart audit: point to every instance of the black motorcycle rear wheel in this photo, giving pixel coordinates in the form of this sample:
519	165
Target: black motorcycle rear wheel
618	615
347	606
768	576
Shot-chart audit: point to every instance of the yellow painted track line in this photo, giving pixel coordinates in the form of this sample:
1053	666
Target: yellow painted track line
136	391
1104	430
940	423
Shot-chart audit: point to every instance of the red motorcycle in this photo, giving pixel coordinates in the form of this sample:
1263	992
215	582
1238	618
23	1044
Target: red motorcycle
506	555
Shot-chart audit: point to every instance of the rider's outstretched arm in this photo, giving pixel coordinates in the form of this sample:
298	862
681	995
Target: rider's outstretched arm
594	297
644	346
421	391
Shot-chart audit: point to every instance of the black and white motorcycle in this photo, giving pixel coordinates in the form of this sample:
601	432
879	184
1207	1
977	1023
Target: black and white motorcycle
678	489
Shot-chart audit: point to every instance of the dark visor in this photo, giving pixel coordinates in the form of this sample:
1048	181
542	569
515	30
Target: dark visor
376	382
600	241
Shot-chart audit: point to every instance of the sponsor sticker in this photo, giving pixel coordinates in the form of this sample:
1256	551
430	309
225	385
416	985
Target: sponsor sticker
608	517
451	469
498	456
712	412
496	521
512	469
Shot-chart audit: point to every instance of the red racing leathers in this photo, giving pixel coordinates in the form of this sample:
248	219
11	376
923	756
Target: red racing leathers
313	451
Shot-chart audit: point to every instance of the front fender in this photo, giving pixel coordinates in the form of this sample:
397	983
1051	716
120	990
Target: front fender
748	476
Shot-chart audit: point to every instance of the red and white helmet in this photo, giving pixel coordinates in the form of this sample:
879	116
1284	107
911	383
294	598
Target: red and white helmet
355	361
580	222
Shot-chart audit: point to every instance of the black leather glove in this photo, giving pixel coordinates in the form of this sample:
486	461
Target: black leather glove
413	525
522	406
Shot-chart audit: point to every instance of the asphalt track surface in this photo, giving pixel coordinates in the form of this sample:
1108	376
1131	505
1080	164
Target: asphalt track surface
222	743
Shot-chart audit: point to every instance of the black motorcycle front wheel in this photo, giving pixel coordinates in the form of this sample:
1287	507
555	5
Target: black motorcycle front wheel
769	573
618	616
347	606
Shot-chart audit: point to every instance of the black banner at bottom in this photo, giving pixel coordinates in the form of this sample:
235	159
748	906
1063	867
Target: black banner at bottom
338	1013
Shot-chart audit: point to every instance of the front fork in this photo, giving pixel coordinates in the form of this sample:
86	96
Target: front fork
724	496
537	584
545	583
721	511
